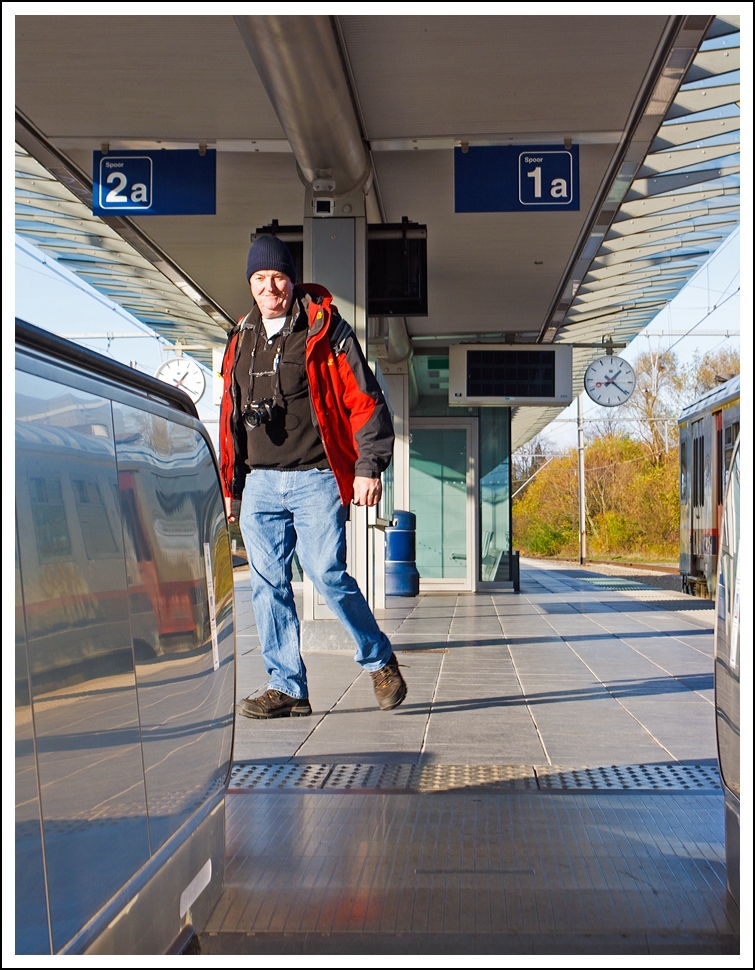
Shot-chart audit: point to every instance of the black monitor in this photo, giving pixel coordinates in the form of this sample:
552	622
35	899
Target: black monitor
396	265
397	269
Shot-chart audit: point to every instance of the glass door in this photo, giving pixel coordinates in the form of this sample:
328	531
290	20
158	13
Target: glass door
442	496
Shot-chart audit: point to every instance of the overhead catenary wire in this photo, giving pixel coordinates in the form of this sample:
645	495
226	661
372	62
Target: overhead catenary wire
710	312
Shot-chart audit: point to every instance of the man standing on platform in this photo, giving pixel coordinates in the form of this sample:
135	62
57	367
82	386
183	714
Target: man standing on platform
304	431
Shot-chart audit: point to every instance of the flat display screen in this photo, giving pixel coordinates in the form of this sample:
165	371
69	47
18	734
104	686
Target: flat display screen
397	270
511	373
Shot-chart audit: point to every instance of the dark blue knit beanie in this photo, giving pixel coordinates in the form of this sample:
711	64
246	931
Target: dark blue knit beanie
268	252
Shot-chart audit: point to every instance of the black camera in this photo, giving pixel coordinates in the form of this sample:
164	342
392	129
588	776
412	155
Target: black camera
258	412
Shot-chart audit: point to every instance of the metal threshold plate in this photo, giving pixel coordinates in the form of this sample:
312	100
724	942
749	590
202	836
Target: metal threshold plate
499	778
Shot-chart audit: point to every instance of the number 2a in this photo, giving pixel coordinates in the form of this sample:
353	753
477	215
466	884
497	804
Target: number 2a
138	189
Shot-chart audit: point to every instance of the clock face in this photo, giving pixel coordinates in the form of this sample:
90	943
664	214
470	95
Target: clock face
185	373
610	381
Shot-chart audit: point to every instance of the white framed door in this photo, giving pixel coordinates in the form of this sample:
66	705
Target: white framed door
443	496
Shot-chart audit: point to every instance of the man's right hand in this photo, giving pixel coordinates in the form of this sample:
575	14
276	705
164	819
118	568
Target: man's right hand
230	511
367	491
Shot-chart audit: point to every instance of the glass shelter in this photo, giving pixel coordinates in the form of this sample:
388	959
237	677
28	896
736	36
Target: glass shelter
459	486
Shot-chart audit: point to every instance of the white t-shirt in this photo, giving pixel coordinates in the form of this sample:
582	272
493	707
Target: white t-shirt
274	325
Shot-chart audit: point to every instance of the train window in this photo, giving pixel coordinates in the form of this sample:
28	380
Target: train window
730	439
82	682
93	518
171	509
719	466
698	465
683	472
32	933
49	516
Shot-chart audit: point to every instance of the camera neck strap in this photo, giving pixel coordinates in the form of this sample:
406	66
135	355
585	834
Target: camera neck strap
288	326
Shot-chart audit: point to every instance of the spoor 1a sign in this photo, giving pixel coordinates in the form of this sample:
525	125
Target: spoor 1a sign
516	178
545	178
166	182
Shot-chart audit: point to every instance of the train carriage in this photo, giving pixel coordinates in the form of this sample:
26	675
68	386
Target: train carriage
708	430
125	660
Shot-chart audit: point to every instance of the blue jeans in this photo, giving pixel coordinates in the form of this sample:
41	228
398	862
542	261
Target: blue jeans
281	510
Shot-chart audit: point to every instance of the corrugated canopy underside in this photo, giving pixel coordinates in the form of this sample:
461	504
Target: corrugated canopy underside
422	84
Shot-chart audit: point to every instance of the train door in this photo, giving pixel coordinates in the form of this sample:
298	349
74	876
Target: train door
719	459
697	517
731	433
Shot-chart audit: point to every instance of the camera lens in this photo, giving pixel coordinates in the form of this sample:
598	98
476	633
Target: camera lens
257	413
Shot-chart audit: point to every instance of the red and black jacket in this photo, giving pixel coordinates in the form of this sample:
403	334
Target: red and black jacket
348	406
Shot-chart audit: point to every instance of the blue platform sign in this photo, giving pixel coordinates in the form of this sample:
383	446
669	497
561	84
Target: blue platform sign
516	178
154	183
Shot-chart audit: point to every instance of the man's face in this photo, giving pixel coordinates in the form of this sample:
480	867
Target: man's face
272	292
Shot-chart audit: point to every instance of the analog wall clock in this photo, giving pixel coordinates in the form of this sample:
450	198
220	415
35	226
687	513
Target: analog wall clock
185	373
610	381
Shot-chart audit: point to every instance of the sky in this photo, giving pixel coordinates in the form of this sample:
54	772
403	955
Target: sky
50	296
709	301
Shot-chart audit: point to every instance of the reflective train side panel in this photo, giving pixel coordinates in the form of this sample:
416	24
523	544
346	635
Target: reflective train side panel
124	663
727	671
708	429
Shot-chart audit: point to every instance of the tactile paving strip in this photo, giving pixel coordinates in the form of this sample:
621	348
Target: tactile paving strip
279	777
424	778
619	585
434	778
445	777
669	777
348	777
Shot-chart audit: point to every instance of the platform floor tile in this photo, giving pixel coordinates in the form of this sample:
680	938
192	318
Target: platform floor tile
519	872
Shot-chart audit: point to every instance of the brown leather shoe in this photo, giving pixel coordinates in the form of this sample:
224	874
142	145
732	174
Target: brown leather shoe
390	686
274	703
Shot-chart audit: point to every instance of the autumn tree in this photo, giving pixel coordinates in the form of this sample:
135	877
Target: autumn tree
657	400
705	372
632	504
631	469
527	460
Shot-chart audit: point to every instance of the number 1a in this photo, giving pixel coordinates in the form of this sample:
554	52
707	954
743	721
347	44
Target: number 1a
558	186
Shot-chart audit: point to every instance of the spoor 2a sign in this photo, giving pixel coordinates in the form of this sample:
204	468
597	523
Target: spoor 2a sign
516	178
125	184
154	183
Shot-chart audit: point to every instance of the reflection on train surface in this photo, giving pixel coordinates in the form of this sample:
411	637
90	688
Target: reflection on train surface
708	430
124	657
727	671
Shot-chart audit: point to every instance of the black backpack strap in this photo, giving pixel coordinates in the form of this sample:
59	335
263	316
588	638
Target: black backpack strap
339	335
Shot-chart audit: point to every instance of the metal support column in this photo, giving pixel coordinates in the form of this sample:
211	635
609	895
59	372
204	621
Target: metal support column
581	482
335	256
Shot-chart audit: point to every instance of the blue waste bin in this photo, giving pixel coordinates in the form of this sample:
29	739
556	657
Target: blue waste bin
401	576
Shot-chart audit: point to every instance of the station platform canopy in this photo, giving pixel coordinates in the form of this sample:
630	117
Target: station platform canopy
650	102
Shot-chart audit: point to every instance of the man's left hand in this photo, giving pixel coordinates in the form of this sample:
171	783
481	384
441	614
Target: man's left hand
367	491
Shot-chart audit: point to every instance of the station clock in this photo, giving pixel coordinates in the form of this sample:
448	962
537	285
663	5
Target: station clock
185	373
610	381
